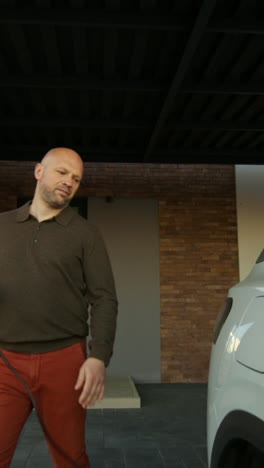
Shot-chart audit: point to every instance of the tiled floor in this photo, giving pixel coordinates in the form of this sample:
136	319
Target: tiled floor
168	431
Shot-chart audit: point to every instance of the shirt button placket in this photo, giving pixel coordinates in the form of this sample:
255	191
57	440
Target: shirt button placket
35	240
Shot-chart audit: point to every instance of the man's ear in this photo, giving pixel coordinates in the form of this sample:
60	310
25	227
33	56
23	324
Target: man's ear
38	171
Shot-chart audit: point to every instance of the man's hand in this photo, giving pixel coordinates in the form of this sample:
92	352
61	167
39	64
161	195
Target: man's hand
91	379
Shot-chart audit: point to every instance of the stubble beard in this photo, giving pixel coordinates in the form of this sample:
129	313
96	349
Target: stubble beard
53	200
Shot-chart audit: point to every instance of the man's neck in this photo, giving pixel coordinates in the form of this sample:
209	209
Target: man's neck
42	212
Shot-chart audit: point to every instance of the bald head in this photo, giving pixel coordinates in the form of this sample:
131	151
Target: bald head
57	154
58	177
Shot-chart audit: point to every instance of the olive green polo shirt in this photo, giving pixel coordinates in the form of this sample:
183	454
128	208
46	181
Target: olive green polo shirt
52	273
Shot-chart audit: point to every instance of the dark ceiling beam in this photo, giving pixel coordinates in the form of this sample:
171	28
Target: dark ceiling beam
90	154
124	20
87	17
80	52
63	122
35	148
176	125
226	125
119	155
75	82
236	26
207	156
20	45
219	88
82	82
190	49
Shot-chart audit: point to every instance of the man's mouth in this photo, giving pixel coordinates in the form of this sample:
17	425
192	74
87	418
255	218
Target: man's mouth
63	192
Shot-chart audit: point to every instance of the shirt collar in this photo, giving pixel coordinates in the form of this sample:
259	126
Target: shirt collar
63	218
23	212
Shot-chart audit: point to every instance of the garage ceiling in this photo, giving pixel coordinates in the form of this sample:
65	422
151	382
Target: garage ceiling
144	81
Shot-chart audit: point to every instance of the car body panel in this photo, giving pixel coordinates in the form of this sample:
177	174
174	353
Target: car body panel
236	371
252	338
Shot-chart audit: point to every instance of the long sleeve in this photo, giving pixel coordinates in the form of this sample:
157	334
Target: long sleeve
101	297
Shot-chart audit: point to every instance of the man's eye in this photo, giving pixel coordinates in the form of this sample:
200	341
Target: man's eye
61	172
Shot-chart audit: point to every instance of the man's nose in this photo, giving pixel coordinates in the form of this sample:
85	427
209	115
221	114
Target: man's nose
68	181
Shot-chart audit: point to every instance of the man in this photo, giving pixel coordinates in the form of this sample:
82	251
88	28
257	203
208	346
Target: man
54	267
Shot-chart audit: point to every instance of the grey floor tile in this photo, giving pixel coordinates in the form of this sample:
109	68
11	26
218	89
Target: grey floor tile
95	463
171	455
114	455
176	464
182	453
114	464
40	449
201	452
96	458
168	431
143	458
95	439
22	452
194	463
39	462
123	440
17	464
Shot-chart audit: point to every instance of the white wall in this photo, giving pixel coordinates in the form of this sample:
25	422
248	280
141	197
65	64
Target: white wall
131	232
250	215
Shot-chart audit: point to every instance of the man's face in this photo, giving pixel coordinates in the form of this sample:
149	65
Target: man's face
58	179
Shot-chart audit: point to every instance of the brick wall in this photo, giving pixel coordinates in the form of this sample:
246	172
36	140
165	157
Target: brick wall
198	263
198	245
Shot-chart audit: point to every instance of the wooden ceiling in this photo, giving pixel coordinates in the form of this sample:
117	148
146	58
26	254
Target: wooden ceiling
145	81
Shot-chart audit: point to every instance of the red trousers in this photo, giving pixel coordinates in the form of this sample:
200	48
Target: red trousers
51	377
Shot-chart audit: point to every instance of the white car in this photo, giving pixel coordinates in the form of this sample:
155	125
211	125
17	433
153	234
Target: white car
235	404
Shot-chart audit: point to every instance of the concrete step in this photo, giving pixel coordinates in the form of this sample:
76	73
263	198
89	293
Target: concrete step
120	392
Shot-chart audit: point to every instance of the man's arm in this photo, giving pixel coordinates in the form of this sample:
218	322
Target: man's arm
102	298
